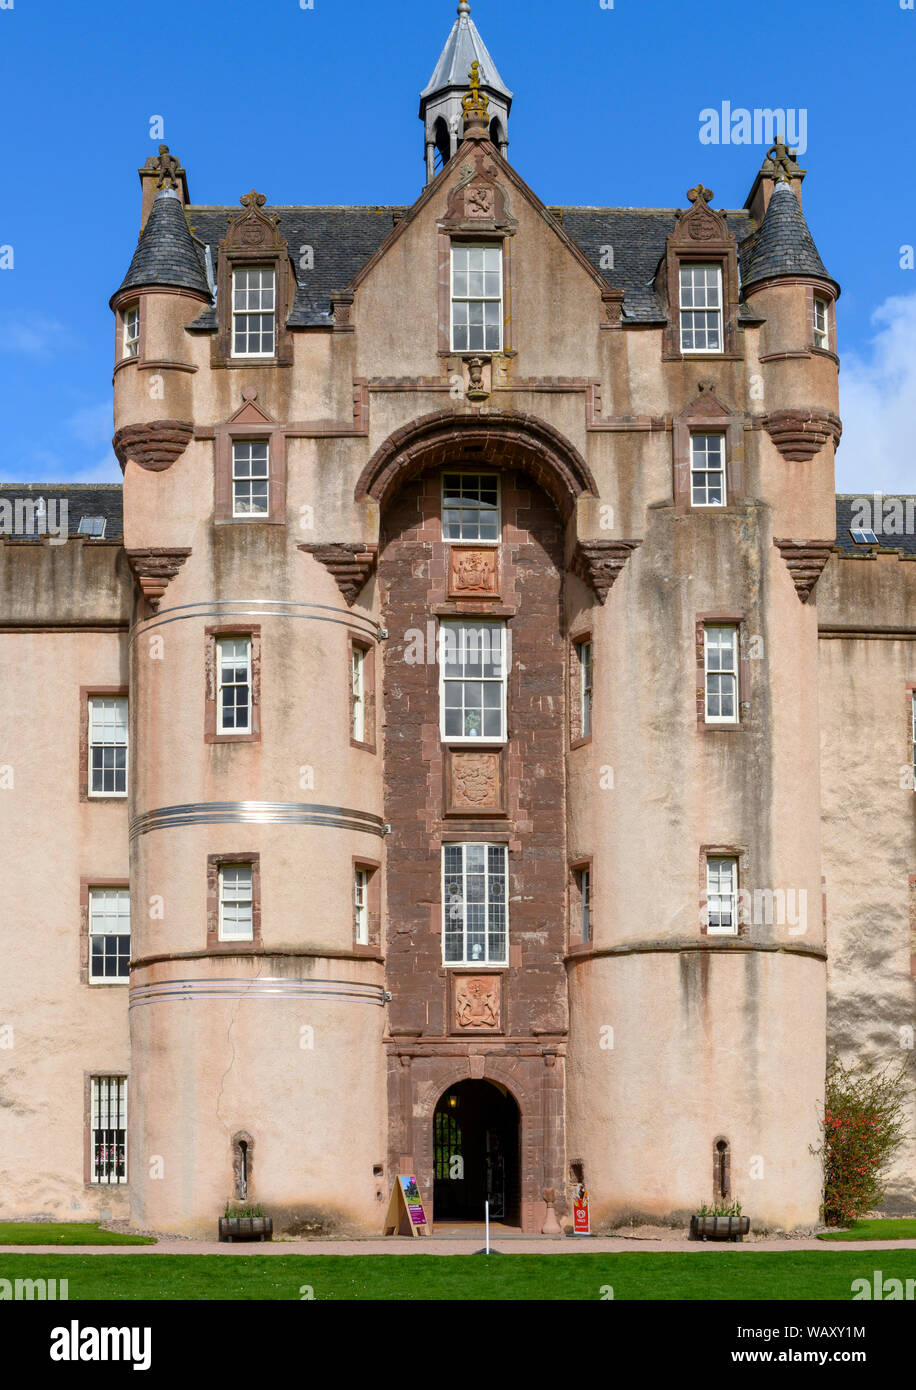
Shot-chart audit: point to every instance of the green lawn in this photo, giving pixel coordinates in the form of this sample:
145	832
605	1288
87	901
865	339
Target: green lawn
898	1228
804	1275
64	1233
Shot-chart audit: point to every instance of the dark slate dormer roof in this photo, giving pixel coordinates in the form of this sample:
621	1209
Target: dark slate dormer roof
783	245
166	253
82	499
637	237
343	239
849	514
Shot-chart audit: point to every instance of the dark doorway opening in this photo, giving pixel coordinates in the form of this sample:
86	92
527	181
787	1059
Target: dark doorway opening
476	1153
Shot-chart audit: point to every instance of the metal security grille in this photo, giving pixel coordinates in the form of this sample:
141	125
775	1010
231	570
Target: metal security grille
109	1129
446	1144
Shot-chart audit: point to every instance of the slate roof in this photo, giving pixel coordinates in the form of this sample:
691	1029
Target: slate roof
783	245
82	500
637	236
343	239
166	253
847	513
463	47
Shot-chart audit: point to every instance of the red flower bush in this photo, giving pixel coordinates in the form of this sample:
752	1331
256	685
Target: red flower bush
863	1128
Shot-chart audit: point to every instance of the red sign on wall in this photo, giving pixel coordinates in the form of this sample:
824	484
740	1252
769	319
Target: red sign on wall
580	1216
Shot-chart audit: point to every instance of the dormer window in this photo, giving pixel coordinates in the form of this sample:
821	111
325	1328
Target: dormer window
130	321
701	307
253	311
821	324
477	298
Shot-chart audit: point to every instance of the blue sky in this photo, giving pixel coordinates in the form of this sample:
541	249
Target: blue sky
320	106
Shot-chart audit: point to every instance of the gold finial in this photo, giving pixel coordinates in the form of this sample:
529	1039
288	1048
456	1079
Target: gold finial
476	103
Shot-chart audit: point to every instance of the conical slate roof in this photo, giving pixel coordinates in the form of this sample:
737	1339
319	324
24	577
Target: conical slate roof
783	245
166	254
464	47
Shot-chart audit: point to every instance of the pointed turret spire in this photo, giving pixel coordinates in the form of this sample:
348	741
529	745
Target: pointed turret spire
166	254
783	245
441	99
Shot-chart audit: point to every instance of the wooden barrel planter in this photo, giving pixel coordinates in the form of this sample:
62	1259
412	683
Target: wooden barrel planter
719	1227
246	1228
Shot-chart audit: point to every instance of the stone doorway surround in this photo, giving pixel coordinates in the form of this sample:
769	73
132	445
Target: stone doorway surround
419	1075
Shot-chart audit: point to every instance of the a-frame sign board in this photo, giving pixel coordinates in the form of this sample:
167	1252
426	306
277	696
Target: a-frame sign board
406	1216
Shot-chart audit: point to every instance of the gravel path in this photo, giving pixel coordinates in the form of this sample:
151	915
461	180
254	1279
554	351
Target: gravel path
458	1245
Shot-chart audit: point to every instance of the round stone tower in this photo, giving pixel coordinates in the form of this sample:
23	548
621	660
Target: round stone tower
697	1032
256	998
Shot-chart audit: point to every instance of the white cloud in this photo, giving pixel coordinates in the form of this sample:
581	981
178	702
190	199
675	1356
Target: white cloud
877	399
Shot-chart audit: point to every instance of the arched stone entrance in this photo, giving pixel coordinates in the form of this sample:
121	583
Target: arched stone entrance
477	1153
536	1083
502	441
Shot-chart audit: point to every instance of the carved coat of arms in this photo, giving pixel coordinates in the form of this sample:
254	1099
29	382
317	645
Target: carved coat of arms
474	779
473	569
477	1003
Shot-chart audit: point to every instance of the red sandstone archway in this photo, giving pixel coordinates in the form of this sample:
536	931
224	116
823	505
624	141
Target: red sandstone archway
536	1086
505	440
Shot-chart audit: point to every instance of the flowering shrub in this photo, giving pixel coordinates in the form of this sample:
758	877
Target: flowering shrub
863	1128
